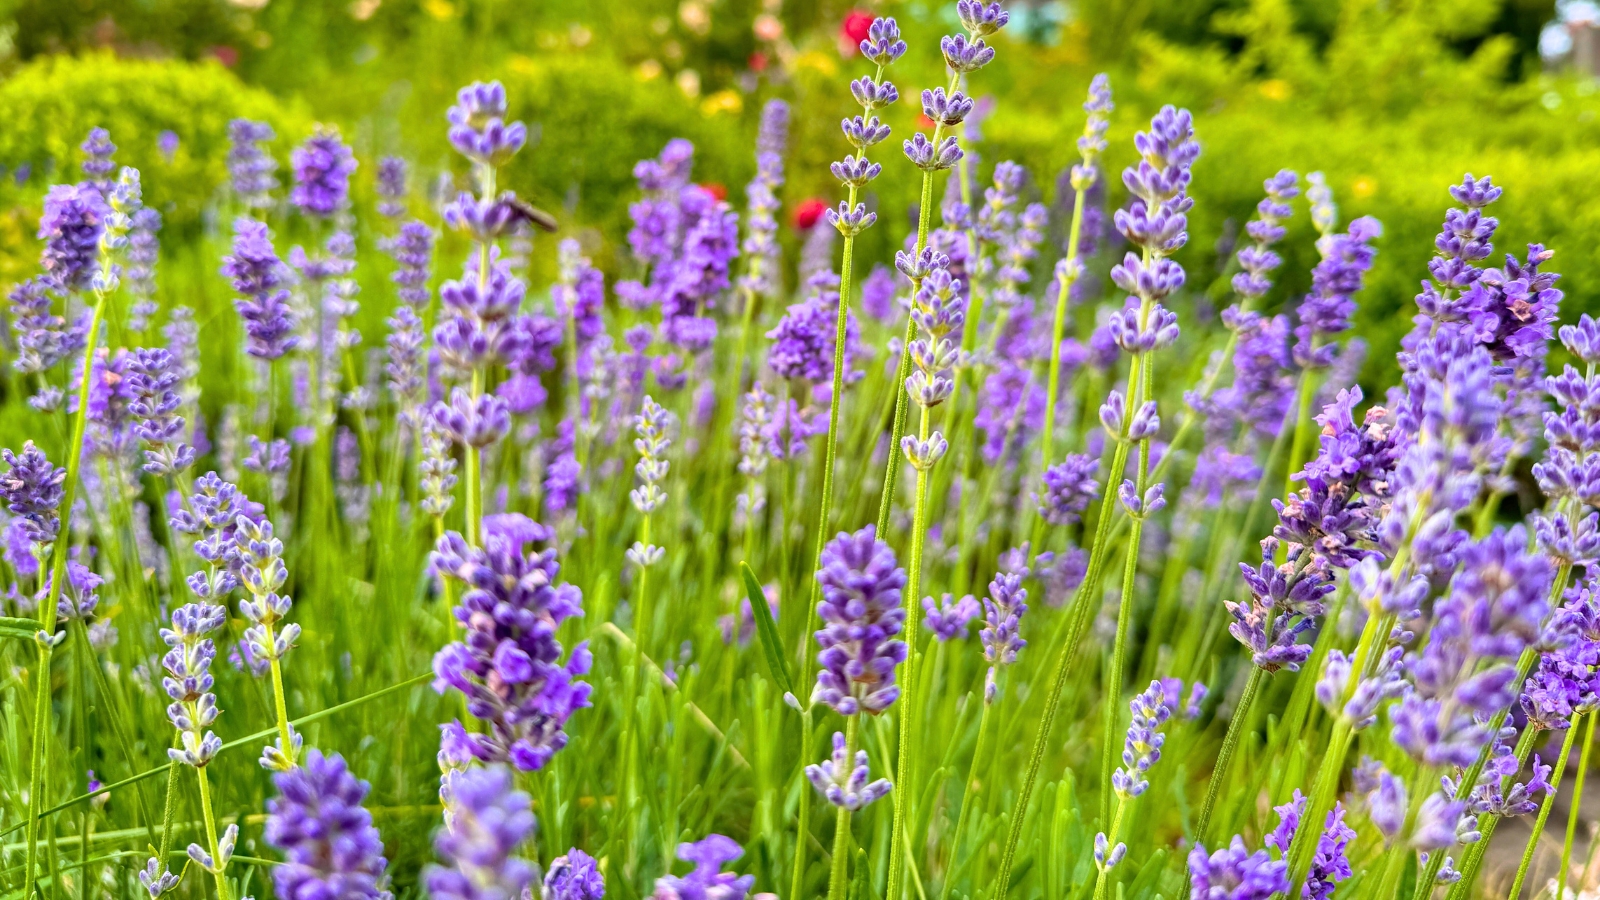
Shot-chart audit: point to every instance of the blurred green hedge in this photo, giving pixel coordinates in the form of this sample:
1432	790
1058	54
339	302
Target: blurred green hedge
62	97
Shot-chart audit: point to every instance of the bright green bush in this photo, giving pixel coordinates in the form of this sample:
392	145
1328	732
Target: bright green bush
53	102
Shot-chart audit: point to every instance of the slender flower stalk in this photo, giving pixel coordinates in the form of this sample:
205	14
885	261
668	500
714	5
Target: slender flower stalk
1070	268
861	585
963	54
482	330
882	46
83	236
939	313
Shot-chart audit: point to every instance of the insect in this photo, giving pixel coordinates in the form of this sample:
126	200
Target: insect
523	211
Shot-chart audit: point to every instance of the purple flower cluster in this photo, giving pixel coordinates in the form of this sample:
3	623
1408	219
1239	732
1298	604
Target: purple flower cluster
1572	434
949	618
317	821
843	783
478	127
322	168
250	168
1326	311
32	489
1234	873
188	681
508	663
574	876
152	376
392	173
259	275
73	222
1466	671
763	276
486	820
1069	487
1285	601
687	239
98	163
861	614
707	881
1331	863
42	337
805	339
1142	747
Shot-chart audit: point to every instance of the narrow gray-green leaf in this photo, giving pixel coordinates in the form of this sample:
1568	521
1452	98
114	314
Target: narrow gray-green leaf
21	629
767	629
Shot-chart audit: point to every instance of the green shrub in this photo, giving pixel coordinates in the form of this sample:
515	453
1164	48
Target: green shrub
60	98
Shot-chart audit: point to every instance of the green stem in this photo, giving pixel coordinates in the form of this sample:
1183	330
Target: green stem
211	834
803	815
37	761
474	479
1544	811
118	725
1230	743
909	738
1487	825
1469	780
1577	803
1119	652
1078	621
901	400
284	735
1058	328
839	876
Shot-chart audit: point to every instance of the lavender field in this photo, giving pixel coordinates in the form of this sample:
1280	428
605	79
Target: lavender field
394	524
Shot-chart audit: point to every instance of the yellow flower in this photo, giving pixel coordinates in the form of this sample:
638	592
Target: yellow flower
439	9
1363	187
723	101
1275	89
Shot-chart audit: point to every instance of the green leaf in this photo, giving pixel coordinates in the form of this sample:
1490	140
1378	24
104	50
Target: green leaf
767	629
21	629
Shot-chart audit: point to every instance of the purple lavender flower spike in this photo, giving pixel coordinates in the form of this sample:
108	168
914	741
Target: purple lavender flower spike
1234	873
1331	865
153	375
473	422
259	275
574	876
843	783
74	219
707	881
478	129
32	490
1285	602
97	158
322	169
507	664
1326	311
861	614
949	618
42	337
1466	670
1142	746
1002	613
392	175
188	681
250	168
486	820
331	847
883	45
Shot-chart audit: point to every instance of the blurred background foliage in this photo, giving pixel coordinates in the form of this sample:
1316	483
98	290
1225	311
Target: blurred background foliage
1392	99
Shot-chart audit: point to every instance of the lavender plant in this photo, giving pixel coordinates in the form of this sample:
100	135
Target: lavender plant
653	607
